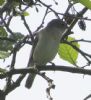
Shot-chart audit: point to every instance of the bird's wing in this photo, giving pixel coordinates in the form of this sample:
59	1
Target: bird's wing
31	76
31	62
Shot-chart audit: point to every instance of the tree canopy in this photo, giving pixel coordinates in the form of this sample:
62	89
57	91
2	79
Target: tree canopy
12	42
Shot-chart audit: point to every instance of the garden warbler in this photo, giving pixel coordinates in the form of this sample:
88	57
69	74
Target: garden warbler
46	46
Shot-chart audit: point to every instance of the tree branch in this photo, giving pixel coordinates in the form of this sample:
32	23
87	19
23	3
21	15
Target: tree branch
46	68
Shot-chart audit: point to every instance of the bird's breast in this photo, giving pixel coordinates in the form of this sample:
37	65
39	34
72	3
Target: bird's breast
45	50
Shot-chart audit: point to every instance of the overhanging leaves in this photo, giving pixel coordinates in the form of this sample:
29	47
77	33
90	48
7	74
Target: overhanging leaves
3	32
2	2
17	36
4	44
66	52
2	71
4	54
25	13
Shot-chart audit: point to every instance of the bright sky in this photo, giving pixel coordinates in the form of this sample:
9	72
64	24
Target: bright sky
68	86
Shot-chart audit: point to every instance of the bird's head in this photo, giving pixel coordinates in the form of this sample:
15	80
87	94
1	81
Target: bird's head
57	23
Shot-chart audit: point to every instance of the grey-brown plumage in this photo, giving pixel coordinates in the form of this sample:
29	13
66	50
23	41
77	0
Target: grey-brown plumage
45	48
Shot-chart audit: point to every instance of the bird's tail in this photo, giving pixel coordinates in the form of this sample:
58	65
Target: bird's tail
30	80
31	76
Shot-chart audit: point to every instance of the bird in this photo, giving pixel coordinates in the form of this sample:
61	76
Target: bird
45	46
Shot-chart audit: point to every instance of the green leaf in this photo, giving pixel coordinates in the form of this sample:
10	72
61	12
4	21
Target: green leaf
66	52
3	32
6	45
4	54
16	3
17	36
25	13
86	3
2	2
2	71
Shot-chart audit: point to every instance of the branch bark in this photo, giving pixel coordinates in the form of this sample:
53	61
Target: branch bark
46	68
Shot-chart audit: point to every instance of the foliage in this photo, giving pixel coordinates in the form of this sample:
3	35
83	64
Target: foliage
2	71
66	52
7	46
2	2
11	42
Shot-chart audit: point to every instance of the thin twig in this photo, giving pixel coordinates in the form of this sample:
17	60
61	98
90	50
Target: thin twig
80	14
81	40
41	25
49	7
27	27
87	97
50	85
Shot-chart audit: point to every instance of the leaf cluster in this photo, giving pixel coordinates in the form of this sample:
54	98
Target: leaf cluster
11	42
